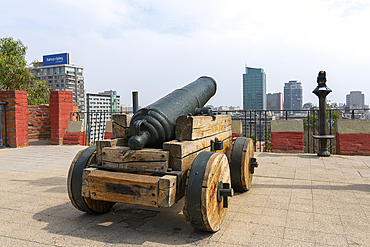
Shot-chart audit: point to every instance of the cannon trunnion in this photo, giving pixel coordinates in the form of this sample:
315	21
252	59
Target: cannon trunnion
196	159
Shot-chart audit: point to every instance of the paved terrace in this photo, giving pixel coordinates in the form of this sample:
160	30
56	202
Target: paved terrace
296	200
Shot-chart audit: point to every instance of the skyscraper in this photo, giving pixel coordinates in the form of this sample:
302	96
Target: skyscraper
274	101
254	89
59	75
293	97
355	99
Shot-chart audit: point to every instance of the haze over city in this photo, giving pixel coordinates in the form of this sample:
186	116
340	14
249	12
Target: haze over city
157	46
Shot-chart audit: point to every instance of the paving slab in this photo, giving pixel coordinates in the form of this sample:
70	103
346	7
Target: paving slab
295	200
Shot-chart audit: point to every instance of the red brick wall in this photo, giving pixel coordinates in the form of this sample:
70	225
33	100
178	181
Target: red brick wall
39	122
61	107
17	121
353	144
287	142
75	138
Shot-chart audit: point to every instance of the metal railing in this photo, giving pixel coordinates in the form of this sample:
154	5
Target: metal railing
95	123
3	125
257	124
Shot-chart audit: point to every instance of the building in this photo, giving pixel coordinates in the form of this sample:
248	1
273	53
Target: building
127	109
60	75
355	99
254	89
274	101
293	95
308	106
100	107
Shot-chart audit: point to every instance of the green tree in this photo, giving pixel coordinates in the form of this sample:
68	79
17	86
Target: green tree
16	74
39	94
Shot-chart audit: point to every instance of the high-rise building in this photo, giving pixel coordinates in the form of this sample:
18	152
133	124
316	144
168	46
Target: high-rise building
254	89
100	107
293	96
60	75
355	99
274	101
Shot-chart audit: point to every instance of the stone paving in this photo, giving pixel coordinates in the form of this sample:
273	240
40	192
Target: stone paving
295	200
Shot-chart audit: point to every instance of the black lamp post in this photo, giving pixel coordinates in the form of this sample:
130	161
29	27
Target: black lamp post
322	91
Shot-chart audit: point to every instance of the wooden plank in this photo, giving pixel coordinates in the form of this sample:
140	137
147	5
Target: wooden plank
195	127
124	187
181	149
147	159
122	119
142	166
121	125
85	192
125	154
183	164
167	191
102	144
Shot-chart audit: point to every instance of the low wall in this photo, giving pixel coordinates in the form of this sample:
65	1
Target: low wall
287	136
352	136
39	122
75	133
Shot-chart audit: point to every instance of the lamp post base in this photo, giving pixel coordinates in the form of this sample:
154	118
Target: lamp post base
323	153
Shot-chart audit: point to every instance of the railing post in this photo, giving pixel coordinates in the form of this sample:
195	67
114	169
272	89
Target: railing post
308	131
250	124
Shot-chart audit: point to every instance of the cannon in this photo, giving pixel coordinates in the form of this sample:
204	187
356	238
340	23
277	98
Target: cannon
172	149
154	124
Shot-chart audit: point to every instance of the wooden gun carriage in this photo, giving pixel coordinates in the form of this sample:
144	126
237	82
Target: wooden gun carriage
201	163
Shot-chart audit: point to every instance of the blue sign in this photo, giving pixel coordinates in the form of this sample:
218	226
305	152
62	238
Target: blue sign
54	59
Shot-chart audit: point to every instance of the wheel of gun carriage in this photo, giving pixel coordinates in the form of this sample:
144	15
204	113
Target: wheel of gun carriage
208	191
242	164
83	159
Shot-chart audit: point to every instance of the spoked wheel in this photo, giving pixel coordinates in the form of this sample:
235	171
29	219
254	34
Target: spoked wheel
208	191
83	159
242	164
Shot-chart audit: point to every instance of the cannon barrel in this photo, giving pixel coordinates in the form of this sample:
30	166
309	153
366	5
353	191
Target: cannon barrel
155	124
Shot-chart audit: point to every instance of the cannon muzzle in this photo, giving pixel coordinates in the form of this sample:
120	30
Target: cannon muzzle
155	124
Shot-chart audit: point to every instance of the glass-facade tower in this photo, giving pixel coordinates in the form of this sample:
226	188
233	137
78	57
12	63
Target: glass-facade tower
293	95
254	89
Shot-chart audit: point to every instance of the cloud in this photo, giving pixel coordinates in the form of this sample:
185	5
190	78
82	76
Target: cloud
157	46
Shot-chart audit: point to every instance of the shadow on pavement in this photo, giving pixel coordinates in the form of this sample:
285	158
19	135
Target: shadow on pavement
36	142
124	224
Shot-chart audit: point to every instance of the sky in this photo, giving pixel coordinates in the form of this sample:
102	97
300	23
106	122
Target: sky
155	47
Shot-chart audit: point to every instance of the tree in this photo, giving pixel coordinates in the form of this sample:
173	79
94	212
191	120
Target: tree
16	74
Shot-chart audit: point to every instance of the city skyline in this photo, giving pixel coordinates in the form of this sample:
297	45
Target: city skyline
156	47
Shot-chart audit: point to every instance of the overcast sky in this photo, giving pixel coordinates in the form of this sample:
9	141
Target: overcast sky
157	46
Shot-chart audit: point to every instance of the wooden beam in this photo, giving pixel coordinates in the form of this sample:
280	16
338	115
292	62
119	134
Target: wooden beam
195	127
181	149
145	190
121	125
147	159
